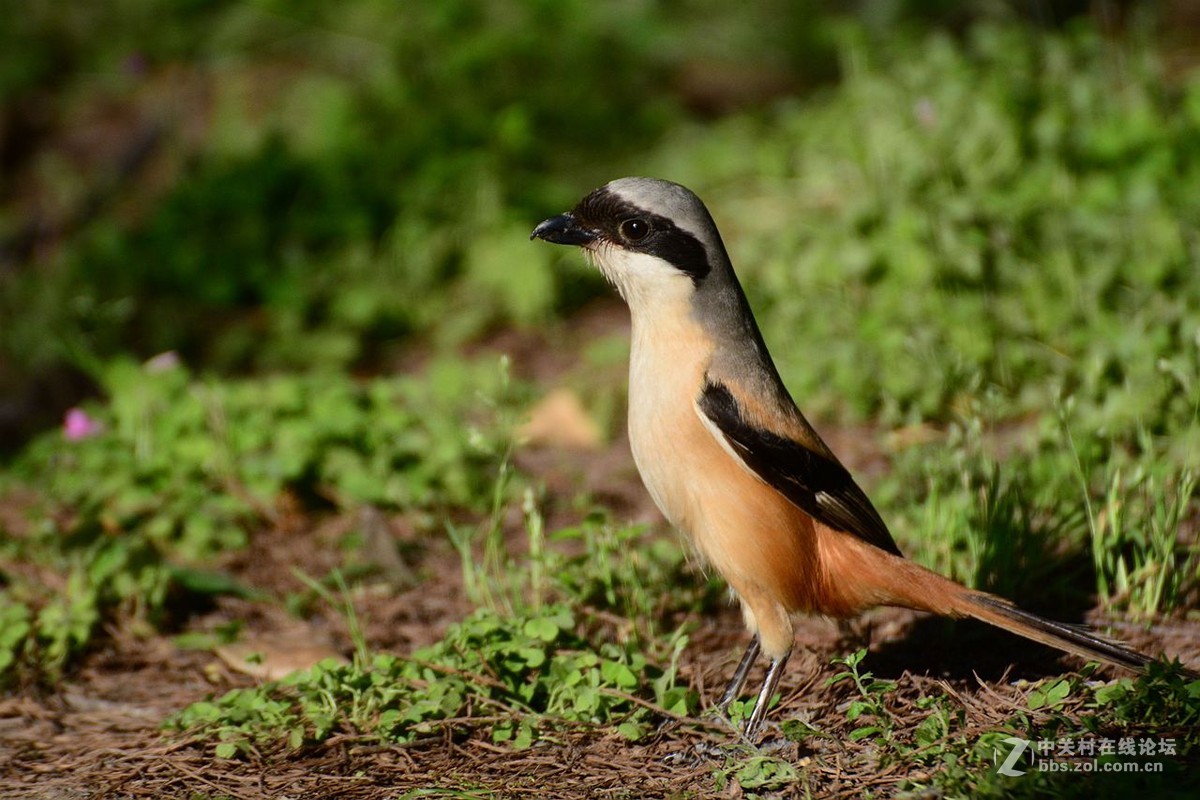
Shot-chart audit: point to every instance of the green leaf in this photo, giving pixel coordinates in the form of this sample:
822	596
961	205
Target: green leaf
859	707
618	674
532	656
209	582
543	628
631	730
296	738
859	734
1050	695
932	729
524	737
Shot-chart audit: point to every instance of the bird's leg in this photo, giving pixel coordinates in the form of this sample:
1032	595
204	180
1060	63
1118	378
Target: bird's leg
759	715
739	674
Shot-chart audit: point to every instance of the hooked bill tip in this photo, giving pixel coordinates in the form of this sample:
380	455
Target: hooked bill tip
563	229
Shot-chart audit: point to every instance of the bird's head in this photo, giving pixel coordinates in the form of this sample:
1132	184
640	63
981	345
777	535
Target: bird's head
652	239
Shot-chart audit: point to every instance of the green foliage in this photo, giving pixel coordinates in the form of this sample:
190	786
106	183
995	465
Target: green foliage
961	747
1061	517
596	564
520	667
1141	563
986	242
1004	242
365	171
987	524
519	678
869	706
179	470
192	463
59	586
757	773
623	569
1014	212
1167	699
1164	704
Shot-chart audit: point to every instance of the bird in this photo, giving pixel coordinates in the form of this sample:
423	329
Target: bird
730	460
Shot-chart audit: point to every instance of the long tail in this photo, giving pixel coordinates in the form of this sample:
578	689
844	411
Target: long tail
868	576
1076	639
916	587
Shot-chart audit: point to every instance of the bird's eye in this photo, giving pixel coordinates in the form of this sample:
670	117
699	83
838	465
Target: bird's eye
634	230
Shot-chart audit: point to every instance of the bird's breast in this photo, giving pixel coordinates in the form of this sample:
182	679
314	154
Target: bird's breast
746	530
666	369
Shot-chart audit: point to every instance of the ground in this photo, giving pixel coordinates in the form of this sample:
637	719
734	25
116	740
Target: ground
98	734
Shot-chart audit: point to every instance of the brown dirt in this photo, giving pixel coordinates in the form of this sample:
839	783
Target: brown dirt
97	735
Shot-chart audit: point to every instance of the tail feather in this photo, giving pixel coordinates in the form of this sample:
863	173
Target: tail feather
891	580
1076	639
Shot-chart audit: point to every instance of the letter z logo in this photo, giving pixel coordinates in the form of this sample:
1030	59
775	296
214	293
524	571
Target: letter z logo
1019	746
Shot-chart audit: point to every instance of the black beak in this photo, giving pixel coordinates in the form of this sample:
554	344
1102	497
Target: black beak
563	229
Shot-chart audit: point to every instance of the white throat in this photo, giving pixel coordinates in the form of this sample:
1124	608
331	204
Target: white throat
647	284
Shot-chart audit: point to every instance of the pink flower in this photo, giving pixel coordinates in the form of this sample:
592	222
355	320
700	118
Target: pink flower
78	425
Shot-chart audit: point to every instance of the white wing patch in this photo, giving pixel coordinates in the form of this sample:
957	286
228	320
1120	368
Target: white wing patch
723	440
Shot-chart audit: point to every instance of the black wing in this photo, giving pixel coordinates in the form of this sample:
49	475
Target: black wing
819	485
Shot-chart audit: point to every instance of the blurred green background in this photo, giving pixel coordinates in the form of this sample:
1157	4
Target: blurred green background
968	193
970	232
